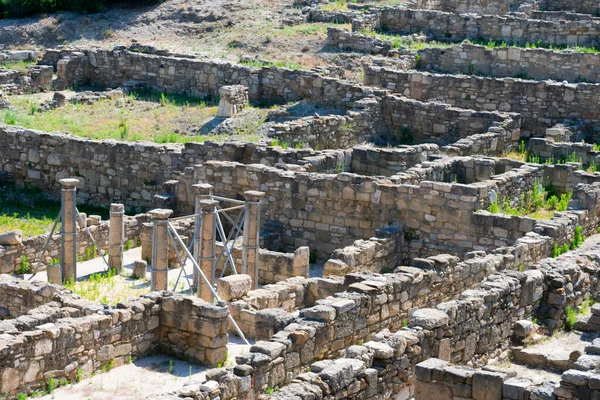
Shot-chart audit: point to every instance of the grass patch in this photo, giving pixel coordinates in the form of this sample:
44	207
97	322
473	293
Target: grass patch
493	44
20	66
156	117
109	287
536	203
28	210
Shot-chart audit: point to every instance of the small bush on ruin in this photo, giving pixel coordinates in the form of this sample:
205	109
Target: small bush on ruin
51	385
570	319
24	266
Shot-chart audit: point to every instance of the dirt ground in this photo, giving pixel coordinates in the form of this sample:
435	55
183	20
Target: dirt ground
215	29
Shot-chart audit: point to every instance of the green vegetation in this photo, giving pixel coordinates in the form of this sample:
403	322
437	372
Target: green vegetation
108	287
24	267
492	44
577	241
21	8
536	203
28	210
141	115
279	64
20	66
570	318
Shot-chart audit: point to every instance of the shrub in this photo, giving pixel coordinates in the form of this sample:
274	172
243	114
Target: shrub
570	319
24	266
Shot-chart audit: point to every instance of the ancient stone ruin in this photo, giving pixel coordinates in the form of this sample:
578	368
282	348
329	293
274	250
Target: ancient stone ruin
428	231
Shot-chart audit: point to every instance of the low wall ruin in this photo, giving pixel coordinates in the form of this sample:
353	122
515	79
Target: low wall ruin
538	64
83	337
444	26
504	94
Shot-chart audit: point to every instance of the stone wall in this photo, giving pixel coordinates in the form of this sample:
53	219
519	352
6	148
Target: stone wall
32	246
344	40
75	334
538	64
433	122
378	254
547	149
34	79
452	27
367	160
583	6
327	212
439	379
535	101
18	297
481	7
192	329
476	326
360	124
127	172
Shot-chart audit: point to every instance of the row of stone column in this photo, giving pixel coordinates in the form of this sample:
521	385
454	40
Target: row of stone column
204	246
68	262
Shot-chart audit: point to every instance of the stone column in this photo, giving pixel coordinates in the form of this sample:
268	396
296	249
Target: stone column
252	234
116	236
208	247
69	230
160	249
204	191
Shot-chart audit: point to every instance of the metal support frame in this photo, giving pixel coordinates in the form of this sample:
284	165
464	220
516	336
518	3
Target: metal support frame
87	229
45	249
201	274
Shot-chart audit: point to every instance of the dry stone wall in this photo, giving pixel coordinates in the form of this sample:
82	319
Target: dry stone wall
583	7
75	334
326	212
536	64
481	7
34	79
537	102
453	27
478	325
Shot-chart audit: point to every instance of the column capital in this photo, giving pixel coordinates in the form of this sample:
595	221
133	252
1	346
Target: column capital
160	213
69	183
254	195
203	188
208	205
117	208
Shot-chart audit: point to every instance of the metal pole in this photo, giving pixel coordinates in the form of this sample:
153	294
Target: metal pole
214	292
87	229
39	263
225	248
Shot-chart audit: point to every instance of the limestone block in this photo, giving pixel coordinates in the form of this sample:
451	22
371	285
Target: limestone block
12	238
232	100
234	286
139	269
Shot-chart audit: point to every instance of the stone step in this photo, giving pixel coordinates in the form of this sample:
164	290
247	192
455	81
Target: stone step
558	360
